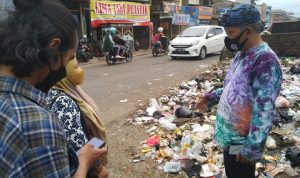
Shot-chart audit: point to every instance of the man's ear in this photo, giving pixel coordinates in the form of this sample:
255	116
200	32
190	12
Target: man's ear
54	43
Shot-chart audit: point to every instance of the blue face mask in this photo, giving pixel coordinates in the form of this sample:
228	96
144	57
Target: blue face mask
234	44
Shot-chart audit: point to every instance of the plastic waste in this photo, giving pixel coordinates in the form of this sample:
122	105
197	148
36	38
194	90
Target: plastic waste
293	154
158	114
166	124
192	83
284	115
153	102
150	110
271	143
171	103
295	69
197	149
297	116
209	170
184	86
281	102
170	118
186	140
152	141
193	169
202	128
291	112
183	112
164	99
207	86
172	167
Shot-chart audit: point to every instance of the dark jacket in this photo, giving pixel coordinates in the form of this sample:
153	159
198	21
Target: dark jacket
118	40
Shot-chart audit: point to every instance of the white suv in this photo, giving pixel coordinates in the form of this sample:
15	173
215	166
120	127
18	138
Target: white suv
197	42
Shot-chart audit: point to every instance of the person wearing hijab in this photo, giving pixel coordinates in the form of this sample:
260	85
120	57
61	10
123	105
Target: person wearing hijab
246	103
78	112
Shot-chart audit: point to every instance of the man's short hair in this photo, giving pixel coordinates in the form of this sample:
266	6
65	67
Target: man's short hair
257	27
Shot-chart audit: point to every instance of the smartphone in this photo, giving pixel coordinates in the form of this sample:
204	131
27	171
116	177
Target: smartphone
97	143
235	149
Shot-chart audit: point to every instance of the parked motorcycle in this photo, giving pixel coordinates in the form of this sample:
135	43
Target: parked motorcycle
160	47
136	45
112	59
83	53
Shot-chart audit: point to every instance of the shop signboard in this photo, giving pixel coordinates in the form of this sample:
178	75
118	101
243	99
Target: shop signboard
193	11
169	7
181	19
205	13
104	12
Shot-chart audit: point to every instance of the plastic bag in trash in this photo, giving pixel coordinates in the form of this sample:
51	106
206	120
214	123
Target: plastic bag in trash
295	69
186	140
281	102
193	169
152	141
158	114
293	154
150	110
172	167
166	124
284	116
271	143
183	112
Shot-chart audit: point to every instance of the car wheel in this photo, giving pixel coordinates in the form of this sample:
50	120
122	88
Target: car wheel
202	53
172	57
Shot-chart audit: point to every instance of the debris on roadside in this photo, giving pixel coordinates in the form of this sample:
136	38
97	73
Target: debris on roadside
181	139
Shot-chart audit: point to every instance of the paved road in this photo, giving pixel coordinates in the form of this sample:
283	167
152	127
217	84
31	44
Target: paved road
137	81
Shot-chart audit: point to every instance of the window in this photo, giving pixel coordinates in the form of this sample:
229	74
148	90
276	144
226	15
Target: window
194	32
219	31
212	31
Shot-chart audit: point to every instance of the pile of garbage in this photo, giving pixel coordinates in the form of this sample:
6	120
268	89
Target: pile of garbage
181	139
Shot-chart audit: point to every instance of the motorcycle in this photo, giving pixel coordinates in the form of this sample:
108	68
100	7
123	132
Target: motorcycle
160	47
136	45
83	53
112	59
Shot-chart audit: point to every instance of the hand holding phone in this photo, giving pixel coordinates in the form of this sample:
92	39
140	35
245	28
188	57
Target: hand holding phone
97	143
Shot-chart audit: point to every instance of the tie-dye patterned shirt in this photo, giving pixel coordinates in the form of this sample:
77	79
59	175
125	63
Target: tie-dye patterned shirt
247	101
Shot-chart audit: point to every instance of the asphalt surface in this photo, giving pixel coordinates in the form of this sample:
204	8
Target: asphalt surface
119	89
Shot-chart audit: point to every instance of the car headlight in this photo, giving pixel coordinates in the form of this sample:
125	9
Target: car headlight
195	43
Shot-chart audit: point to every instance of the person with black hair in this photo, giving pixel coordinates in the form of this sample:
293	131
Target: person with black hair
37	39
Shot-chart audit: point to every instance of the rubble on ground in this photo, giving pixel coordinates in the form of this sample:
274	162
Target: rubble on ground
181	139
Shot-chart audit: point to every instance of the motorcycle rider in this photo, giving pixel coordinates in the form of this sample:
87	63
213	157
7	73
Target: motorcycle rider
118	42
157	38
108	43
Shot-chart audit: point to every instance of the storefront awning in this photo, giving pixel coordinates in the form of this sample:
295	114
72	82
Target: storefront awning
142	24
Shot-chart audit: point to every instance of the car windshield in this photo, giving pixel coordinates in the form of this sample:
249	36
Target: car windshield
194	32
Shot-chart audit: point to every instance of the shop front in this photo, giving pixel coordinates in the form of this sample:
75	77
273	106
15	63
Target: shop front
131	20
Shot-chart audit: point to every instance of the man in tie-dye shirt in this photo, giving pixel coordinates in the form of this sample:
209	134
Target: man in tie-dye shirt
246	103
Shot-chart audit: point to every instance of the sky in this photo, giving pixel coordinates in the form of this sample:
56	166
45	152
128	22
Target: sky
287	5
